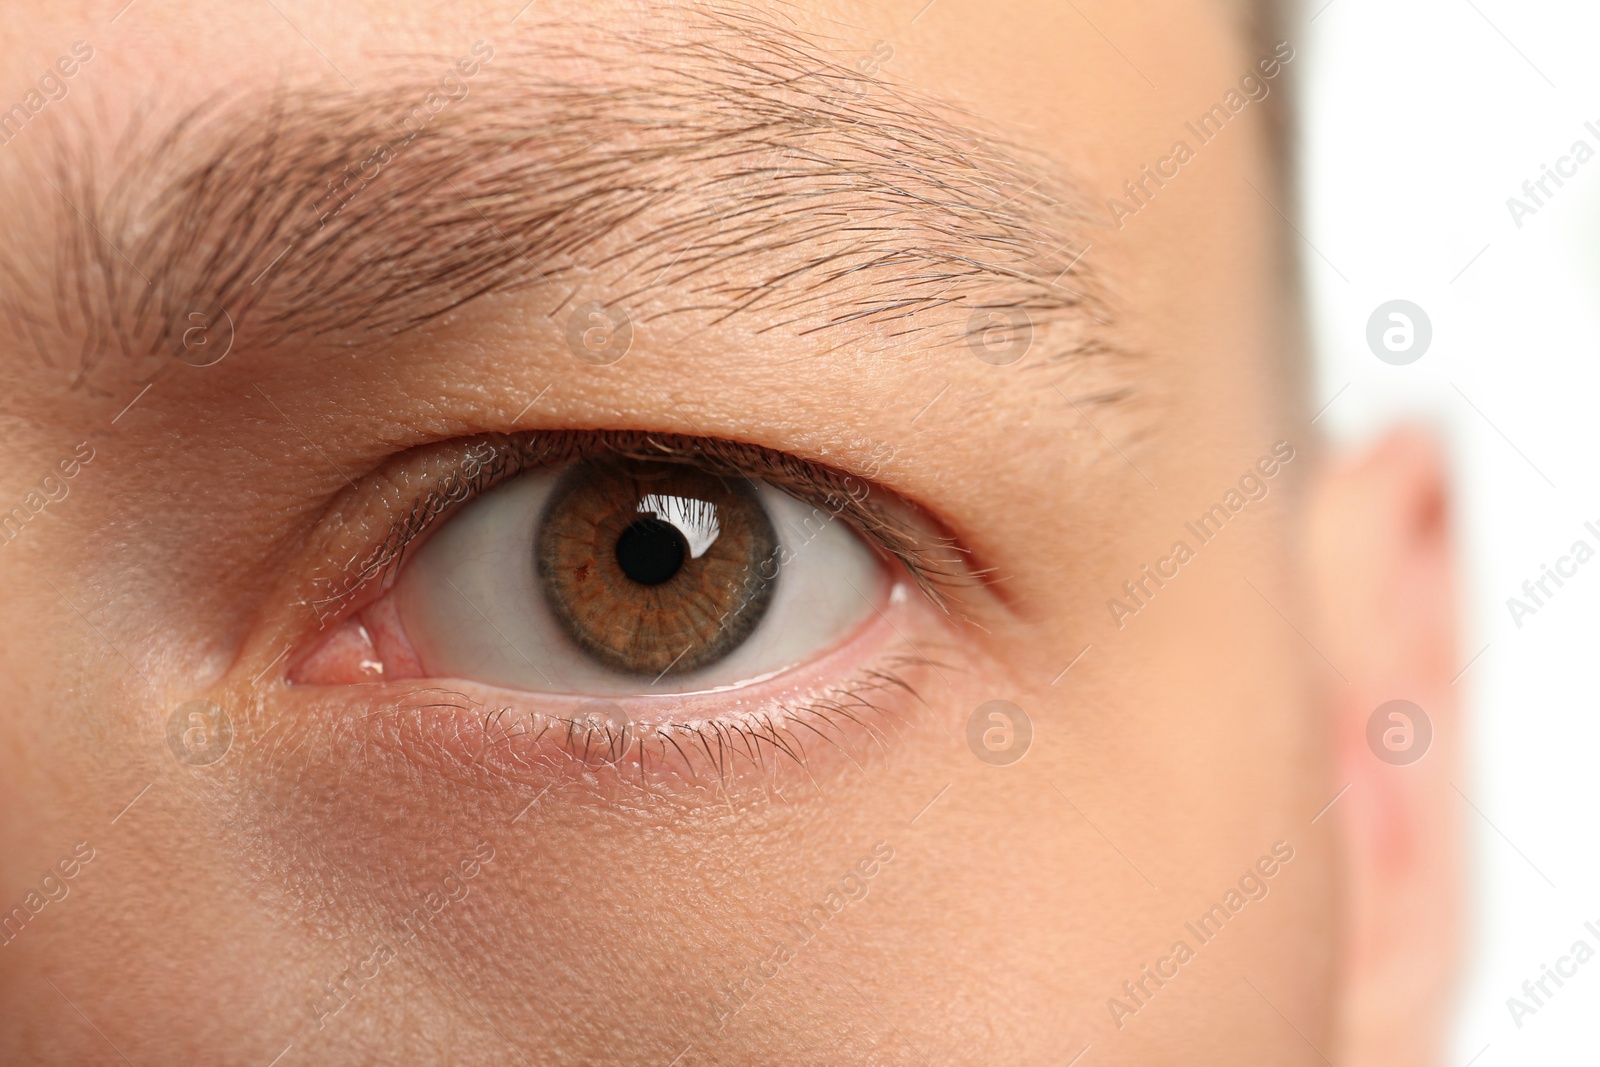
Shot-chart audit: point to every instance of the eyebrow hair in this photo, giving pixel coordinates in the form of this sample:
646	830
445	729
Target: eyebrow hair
710	164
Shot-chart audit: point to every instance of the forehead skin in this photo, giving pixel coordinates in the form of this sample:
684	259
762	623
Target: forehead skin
1172	756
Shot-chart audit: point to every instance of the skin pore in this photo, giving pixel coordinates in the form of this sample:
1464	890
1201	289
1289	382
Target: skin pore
808	213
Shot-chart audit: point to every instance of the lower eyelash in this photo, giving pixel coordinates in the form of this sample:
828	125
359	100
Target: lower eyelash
711	752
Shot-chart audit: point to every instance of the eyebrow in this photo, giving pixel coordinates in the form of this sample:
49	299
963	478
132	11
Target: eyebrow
718	164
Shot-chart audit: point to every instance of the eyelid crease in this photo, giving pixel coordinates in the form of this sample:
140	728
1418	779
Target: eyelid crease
935	561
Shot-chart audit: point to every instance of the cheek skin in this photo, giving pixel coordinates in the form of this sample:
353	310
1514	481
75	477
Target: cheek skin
608	888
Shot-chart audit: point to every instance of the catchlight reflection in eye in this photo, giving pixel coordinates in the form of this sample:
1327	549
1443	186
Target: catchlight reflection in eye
621	576
695	520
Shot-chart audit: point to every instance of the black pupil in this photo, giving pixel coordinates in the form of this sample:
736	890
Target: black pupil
651	551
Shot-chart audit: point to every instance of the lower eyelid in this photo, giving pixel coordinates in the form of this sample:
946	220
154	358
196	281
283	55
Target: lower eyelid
792	730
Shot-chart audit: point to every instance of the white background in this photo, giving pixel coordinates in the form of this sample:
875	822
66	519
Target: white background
1421	118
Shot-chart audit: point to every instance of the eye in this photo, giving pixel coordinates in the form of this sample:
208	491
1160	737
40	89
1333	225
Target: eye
654	568
615	575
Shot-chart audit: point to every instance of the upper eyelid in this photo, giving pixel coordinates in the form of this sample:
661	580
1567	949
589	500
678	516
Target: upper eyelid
935	561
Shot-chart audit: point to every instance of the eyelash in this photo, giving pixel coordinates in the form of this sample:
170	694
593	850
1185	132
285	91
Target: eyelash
935	562
757	741
763	740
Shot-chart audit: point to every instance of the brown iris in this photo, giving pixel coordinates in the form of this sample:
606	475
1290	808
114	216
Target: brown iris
656	568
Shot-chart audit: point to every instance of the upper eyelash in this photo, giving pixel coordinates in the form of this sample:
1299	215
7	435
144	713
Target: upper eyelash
935	562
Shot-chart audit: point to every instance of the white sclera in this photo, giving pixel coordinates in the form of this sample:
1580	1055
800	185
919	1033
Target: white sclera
473	606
